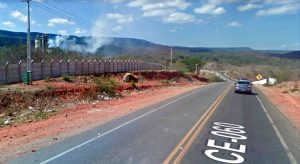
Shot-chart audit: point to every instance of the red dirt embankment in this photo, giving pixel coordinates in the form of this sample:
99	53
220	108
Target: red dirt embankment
86	114
286	97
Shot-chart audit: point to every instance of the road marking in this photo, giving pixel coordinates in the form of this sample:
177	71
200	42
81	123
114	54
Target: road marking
283	143
180	150
233	132
234	140
118	127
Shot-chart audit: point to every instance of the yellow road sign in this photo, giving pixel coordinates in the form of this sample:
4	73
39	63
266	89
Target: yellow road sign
259	77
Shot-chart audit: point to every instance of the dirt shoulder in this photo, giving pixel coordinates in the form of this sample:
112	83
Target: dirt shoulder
286	97
19	139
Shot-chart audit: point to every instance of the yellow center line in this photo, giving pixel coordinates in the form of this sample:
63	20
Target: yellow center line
180	150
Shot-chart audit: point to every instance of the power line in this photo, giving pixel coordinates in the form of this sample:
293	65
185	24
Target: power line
56	13
78	18
79	21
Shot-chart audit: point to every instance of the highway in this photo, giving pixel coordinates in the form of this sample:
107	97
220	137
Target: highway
209	125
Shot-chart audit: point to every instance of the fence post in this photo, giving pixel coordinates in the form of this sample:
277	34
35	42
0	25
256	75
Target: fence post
122	66
51	67
42	69
75	66
118	64
125	66
131	65
6	71
89	67
99	65
20	73
60	67
31	76
68	66
110	63
105	66
95	66
82	67
114	61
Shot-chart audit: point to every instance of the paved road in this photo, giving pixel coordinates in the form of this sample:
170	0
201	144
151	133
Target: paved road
152	135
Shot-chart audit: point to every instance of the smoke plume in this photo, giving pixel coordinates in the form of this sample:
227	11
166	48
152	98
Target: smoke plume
86	45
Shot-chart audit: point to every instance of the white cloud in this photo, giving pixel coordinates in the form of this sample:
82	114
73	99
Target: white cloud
283	46
284	9
115	1
282	2
170	11
172	30
170	15
54	21
119	17
158	13
8	23
117	28
19	16
78	31
179	17
234	24
179	4
62	32
222	1
3	5
249	6
210	9
137	3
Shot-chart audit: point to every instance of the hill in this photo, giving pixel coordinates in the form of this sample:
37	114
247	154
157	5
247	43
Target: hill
116	46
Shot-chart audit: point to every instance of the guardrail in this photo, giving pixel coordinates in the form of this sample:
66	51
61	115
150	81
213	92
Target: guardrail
12	73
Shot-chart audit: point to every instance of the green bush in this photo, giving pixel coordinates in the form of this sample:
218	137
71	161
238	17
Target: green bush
106	85
215	79
133	85
166	81
47	79
67	78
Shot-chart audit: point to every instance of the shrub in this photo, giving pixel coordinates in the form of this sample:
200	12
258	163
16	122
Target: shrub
67	78
106	85
165	81
47	79
133	85
215	79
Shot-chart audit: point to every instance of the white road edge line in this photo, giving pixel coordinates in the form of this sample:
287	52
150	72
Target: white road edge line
118	127
283	143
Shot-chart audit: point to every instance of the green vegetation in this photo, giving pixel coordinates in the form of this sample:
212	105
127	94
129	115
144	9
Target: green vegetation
215	79
190	62
166	81
49	88
133	85
67	78
106	85
46	79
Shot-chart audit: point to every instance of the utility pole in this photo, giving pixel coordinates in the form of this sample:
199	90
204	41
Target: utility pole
171	65
28	73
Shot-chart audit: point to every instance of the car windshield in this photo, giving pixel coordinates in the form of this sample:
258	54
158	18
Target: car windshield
243	82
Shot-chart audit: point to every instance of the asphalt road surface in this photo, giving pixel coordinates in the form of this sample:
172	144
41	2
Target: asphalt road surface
208	125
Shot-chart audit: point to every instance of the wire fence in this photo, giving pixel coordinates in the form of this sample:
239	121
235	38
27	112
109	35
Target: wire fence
14	73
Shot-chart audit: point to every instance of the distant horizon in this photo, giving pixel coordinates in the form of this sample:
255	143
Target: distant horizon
157	43
259	24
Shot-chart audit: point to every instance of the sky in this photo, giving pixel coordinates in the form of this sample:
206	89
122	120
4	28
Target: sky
259	24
